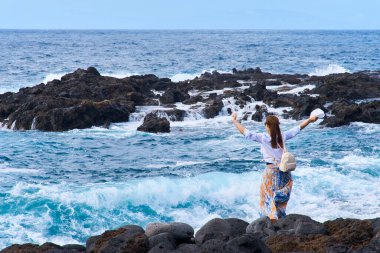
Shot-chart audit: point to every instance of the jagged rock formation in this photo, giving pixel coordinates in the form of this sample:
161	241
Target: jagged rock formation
84	98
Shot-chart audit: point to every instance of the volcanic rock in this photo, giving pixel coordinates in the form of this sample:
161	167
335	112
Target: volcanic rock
213	109
172	96
260	113
154	124
126	239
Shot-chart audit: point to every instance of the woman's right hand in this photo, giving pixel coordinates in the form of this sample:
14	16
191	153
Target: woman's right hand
313	118
234	116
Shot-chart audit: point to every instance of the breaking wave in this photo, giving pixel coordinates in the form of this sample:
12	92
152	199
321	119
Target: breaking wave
327	70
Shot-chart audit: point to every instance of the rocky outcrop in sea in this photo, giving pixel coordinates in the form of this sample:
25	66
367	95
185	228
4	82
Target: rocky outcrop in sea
294	233
84	98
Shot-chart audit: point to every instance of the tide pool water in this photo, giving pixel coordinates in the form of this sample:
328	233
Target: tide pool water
64	187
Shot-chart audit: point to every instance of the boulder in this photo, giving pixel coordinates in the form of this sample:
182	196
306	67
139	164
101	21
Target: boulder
260	113
32	248
258	91
44	248
188	248
181	232
340	235
214	229
301	224
249	244
213	109
237	226
261	227
164	239
73	248
221	229
154	124
246	115
309	228
126	239
172	96
133	228
156	228
217	245
163	246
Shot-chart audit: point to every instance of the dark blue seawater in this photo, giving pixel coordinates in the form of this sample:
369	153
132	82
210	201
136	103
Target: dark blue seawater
64	187
28	57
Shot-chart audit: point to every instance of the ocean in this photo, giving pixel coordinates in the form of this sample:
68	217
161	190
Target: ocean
64	187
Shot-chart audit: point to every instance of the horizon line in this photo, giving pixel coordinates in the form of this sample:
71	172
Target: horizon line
187	29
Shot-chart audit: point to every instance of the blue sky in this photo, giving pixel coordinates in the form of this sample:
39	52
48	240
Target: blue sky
190	14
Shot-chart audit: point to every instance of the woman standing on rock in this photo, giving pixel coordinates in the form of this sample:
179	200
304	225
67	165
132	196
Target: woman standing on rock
276	185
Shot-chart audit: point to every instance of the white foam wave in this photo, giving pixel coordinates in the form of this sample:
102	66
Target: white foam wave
368	128
161	193
353	160
120	74
52	76
184	76
14	227
298	90
177	164
116	130
280	87
360	101
18	171
234	195
327	70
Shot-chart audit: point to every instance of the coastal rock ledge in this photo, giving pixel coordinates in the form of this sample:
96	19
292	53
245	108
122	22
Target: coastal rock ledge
85	98
295	233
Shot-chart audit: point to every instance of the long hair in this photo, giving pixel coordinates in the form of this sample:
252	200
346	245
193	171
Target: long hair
274	129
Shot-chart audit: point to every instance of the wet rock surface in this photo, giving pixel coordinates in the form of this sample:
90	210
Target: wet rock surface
46	247
154	124
84	98
294	233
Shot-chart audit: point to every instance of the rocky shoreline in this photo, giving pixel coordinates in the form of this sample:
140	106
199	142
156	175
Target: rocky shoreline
84	98
294	233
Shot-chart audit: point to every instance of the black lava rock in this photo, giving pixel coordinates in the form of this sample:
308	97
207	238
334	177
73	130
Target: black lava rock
154	124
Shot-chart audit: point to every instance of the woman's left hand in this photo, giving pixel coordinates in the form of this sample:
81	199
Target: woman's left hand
234	116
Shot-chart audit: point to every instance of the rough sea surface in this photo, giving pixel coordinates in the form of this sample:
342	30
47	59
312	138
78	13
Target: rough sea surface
64	187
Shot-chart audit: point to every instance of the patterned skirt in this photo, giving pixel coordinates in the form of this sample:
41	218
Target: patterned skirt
275	190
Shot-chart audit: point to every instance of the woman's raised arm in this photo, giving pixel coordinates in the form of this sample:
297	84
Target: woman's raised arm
308	121
237	124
